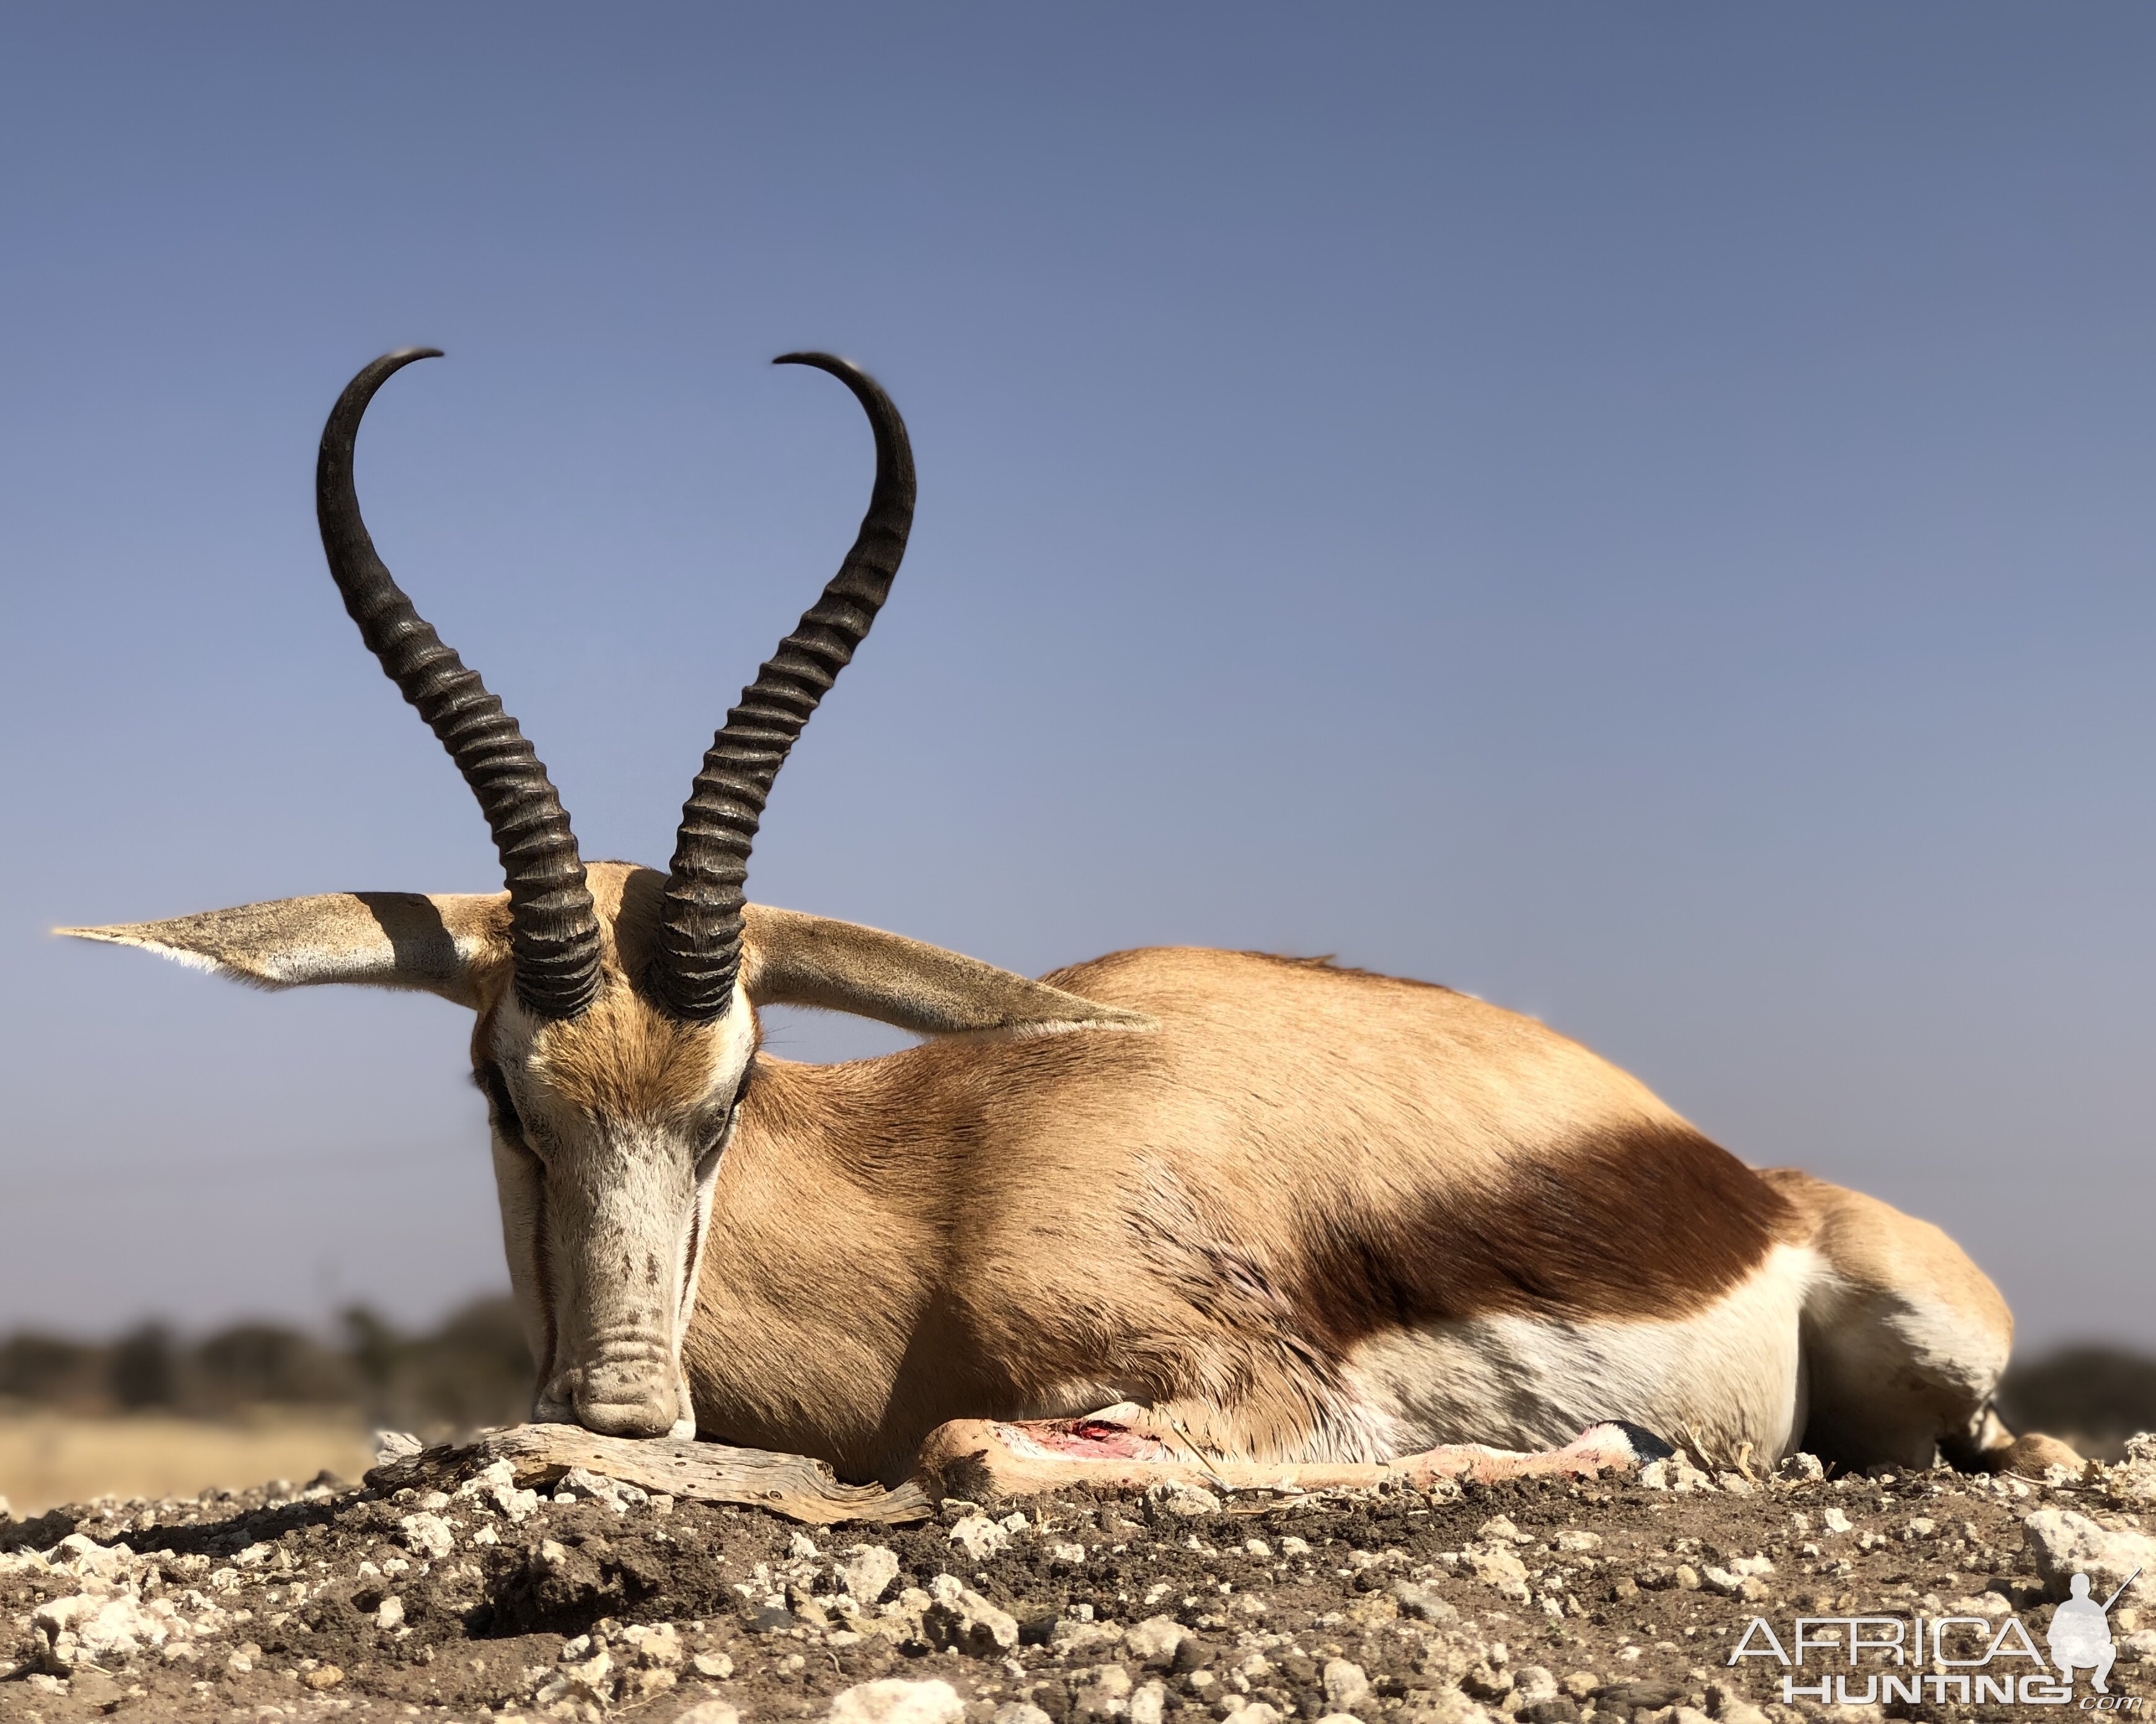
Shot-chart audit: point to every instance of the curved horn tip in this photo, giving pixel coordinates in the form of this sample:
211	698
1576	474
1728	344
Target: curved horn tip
389	364
822	362
370	377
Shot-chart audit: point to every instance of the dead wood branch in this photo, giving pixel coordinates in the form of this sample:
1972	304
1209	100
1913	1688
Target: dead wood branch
790	1484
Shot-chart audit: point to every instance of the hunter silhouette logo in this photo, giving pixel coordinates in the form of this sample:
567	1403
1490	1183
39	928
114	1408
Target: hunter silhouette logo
2080	1634
1938	1659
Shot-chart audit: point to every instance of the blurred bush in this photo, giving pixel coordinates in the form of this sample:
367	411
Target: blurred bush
474	1370
2093	1397
48	1371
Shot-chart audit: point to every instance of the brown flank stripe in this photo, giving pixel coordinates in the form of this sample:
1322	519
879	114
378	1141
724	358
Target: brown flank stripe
1644	1220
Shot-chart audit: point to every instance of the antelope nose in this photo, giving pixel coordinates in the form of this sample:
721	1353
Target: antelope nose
620	1403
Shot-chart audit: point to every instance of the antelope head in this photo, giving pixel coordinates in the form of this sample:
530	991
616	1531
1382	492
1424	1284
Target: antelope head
616	1024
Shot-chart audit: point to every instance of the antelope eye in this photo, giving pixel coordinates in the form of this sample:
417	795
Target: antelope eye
708	1157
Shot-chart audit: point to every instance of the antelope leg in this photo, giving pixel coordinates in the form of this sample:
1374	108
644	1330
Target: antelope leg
992	1458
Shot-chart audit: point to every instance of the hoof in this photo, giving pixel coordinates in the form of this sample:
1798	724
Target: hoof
2032	1455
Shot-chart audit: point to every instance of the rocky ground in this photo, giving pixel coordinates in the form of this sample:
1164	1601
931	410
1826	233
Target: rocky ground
1556	1602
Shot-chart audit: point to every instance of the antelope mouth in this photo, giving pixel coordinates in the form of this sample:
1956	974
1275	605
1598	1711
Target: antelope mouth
652	1416
640	1398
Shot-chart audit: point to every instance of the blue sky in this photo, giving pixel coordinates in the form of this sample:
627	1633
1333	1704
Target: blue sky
1641	513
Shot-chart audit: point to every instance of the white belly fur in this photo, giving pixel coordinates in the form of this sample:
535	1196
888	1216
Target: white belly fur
1732	1372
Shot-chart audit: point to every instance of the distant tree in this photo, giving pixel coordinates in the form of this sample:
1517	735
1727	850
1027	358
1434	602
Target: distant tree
53	1373
257	1363
474	1370
143	1371
373	1348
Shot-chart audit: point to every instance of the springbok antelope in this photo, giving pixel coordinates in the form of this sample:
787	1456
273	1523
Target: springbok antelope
1302	1213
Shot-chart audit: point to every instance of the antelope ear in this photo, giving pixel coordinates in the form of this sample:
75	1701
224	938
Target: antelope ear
434	945
795	960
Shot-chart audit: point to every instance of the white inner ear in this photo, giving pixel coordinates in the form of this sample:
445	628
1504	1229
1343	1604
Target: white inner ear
820	1037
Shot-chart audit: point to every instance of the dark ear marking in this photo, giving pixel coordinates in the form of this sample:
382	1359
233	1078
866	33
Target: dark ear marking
508	1123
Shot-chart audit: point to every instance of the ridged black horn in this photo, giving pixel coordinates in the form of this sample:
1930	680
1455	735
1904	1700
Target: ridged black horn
698	948
554	932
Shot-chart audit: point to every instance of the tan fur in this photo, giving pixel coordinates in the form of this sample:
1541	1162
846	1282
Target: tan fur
626	1059
796	960
1304	1214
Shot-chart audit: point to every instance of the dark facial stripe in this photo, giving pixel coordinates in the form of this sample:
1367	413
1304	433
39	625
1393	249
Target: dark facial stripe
1645	1220
499	1105
509	1127
542	1275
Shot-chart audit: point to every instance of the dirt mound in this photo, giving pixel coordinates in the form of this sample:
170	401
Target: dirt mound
1555	1601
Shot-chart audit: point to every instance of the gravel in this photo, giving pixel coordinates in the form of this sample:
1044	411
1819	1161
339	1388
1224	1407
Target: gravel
1548	1601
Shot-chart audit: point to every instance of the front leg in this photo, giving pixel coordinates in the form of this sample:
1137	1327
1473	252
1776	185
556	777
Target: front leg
1128	1448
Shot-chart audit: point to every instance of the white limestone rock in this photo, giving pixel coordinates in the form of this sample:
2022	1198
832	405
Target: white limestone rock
2064	1543
427	1535
867	1572
1154	1642
897	1700
960	1619
978	1537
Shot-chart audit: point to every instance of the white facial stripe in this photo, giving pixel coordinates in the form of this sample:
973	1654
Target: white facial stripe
521	1193
700	1234
626	1219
